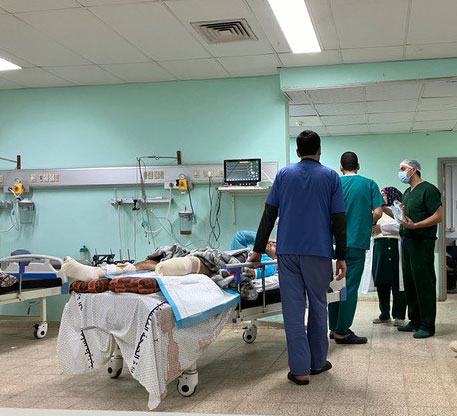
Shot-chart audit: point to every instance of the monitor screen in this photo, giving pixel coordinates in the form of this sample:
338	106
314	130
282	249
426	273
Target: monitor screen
242	171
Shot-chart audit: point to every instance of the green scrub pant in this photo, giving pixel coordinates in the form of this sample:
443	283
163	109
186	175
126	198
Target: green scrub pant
341	314
420	282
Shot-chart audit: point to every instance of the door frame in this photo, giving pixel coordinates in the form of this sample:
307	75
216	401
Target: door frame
442	281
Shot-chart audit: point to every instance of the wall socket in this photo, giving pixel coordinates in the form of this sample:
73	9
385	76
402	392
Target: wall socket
170	185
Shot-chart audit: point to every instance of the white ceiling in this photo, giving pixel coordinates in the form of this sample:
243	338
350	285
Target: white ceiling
152	40
409	106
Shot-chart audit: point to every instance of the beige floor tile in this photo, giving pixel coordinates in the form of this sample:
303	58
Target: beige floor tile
208	406
386	398
312	397
384	411
341	410
428	399
426	388
295	409
431	411
250	407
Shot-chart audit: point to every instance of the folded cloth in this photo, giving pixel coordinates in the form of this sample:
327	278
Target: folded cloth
92	286
7	280
141	285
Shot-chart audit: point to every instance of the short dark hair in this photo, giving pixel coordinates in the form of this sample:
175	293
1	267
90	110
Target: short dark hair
308	143
349	161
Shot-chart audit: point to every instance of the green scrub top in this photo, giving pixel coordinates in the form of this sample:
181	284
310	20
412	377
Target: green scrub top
361	197
421	203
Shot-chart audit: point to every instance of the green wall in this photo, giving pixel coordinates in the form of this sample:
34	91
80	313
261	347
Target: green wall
110	126
381	154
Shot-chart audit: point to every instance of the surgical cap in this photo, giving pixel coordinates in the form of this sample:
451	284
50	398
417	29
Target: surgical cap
411	163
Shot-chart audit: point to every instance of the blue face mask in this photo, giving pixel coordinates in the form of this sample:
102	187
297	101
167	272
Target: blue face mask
403	176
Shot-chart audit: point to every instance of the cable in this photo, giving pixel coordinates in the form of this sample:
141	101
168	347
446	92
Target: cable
190	200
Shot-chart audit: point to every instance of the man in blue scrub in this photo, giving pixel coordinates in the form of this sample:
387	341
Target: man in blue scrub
310	202
246	238
364	202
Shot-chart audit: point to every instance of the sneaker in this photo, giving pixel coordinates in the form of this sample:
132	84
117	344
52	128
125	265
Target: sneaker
399	322
381	321
407	328
453	346
422	333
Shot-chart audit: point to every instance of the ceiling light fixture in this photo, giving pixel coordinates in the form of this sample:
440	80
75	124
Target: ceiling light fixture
294	19
7	65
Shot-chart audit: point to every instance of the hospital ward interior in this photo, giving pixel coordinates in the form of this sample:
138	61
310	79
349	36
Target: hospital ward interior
228	207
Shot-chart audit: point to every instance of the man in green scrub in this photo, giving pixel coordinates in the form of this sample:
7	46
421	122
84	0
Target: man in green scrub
424	211
363	201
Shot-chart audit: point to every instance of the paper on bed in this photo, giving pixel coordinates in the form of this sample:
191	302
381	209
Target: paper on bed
193	298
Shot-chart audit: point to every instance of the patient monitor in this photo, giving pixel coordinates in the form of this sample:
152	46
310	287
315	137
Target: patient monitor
242	172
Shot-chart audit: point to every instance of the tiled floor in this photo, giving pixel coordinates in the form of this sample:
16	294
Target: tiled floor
392	375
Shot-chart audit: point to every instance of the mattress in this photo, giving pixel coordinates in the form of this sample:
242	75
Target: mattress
32	284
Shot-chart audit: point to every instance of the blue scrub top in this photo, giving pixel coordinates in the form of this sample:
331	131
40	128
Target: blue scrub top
306	194
245	238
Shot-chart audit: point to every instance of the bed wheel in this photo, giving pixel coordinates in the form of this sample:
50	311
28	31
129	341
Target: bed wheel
114	367
187	384
40	330
250	334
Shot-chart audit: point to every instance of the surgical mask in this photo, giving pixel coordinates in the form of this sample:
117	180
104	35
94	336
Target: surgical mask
403	176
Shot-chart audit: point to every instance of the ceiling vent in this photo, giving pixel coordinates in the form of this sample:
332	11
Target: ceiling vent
222	31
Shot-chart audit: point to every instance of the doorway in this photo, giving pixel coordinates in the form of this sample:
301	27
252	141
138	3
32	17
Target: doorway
447	242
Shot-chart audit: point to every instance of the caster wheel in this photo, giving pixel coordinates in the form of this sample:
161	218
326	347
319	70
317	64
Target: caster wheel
114	367
250	334
187	384
40	330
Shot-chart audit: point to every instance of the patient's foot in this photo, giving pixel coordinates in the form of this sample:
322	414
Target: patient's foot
80	271
119	268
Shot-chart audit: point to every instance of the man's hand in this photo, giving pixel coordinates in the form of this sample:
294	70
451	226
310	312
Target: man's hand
409	224
255	257
376	229
340	269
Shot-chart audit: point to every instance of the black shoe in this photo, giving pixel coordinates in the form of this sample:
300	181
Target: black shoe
291	377
327	366
352	339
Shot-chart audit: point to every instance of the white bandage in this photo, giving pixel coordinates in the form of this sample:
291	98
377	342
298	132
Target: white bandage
119	268
79	271
179	266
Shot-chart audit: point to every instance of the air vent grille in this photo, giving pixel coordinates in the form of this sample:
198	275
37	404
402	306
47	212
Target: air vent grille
222	31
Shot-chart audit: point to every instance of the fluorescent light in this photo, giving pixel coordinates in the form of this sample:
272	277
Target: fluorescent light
7	65
296	24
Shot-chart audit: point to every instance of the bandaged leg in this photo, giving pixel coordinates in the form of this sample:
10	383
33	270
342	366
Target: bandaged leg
119	268
179	266
80	271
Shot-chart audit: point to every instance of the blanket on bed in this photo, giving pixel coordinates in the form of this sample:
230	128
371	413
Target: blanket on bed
143	286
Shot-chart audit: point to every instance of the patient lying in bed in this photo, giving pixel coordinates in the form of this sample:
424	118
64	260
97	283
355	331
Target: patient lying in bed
165	261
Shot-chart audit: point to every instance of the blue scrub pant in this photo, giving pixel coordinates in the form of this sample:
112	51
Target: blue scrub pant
302	278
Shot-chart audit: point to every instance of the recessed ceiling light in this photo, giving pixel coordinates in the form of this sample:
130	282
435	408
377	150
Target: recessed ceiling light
294	19
7	65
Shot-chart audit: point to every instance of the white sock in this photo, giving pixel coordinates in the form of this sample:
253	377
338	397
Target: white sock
80	271
119	268
179	266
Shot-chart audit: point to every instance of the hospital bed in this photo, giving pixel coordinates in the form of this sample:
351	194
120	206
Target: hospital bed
268	302
106	330
39	277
